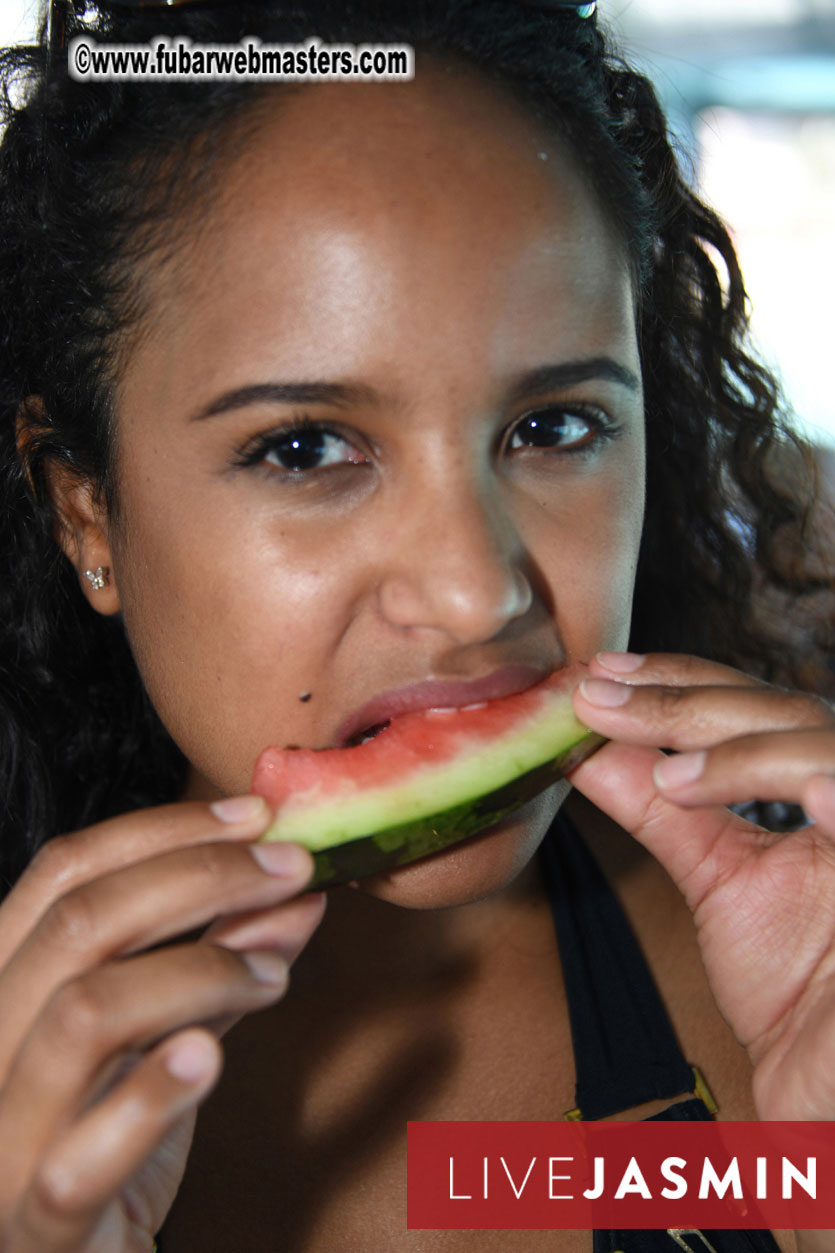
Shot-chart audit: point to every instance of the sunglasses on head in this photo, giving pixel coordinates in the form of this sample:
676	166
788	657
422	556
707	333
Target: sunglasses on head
56	27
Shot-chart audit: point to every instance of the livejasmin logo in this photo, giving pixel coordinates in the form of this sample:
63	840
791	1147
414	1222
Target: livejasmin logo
620	1175
632	1181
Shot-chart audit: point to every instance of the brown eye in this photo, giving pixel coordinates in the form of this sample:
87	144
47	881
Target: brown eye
554	428
298	450
303	449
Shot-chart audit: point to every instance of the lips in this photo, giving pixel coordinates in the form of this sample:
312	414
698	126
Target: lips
435	694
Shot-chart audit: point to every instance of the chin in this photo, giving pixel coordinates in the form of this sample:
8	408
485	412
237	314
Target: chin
478	867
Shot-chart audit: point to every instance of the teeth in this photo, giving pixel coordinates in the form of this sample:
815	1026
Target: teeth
443	710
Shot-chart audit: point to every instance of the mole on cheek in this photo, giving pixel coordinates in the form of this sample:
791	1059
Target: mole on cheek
305	696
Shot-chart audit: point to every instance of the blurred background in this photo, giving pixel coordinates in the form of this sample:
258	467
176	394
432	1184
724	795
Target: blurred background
749	86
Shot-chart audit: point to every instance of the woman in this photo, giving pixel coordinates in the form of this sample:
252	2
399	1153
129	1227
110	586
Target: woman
314	397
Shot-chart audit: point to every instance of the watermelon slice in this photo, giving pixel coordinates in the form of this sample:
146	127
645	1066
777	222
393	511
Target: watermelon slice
428	779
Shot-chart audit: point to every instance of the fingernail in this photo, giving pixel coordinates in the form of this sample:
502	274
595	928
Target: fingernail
191	1059
267	967
621	663
288	860
239	809
605	694
679	770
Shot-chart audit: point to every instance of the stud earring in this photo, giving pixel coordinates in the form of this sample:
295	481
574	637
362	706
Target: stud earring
99	578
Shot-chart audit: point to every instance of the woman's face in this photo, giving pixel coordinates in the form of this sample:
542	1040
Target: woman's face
386	426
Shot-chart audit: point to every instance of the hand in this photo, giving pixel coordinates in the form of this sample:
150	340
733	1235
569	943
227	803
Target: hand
764	905
108	1033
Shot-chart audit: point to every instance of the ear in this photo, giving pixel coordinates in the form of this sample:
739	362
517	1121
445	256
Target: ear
82	530
81	525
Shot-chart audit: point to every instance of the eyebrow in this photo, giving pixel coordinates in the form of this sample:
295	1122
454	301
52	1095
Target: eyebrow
549	378
344	395
341	394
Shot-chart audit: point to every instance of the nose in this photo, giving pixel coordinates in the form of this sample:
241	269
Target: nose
456	566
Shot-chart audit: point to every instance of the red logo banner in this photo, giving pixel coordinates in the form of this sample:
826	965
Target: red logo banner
630	1175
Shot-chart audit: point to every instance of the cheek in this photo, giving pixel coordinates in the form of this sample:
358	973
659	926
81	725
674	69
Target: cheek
212	610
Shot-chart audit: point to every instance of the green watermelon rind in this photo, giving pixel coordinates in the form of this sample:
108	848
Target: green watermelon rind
407	842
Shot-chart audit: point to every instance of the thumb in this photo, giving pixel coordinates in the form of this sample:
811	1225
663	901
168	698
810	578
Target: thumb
695	846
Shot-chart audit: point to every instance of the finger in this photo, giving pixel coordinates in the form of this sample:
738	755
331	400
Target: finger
136	907
687	718
69	860
774	766
68	1058
695	847
285	929
96	1157
669	669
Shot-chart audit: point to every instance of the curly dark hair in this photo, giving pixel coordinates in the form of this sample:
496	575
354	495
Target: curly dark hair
97	178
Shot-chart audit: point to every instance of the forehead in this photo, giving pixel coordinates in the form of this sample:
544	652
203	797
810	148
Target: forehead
437	209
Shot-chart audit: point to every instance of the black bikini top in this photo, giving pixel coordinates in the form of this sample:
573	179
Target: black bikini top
625	1049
